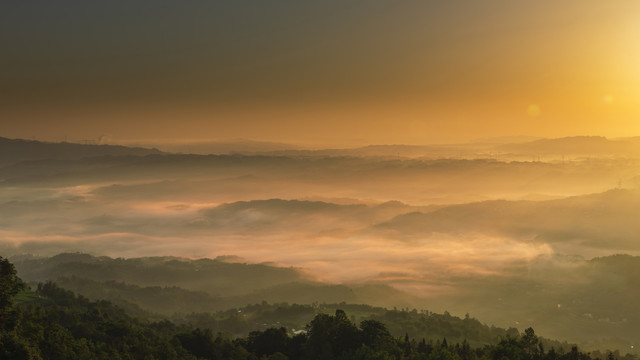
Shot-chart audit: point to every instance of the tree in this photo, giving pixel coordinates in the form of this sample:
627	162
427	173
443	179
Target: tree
11	345
198	342
332	336
10	286
268	342
530	344
376	336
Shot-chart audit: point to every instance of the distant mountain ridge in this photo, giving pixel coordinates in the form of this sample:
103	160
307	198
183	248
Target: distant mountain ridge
514	148
17	150
521	148
239	146
577	146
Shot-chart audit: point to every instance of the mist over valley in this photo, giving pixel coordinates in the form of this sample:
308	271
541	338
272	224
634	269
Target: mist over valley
515	243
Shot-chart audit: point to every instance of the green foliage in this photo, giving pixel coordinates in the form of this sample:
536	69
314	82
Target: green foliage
268	342
332	336
66	326
10	286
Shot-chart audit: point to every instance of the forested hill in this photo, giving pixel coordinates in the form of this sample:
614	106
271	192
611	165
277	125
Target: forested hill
166	285
53	323
218	275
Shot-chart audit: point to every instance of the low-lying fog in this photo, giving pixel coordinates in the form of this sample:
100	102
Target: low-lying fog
439	229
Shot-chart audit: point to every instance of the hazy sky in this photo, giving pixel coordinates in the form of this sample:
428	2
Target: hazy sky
333	72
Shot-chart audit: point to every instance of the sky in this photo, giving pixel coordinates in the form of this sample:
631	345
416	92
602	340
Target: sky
323	73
